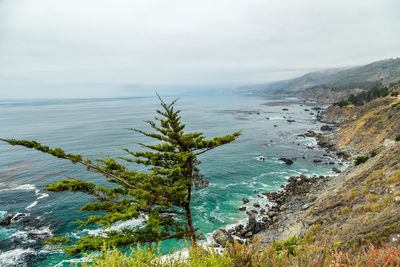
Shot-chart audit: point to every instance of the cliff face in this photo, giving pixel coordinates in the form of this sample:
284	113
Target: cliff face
361	206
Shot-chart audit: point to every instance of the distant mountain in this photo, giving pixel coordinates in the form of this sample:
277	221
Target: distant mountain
331	84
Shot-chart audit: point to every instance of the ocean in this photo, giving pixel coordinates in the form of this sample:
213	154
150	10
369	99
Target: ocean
97	128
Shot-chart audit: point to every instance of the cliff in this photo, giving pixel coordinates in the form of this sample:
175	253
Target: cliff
360	206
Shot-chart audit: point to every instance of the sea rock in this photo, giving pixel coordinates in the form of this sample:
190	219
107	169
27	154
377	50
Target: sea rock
239	227
256	205
242	208
6	221
326	128
317	160
245	200
285	109
222	237
253	227
287	161
254	211
336	170
290	120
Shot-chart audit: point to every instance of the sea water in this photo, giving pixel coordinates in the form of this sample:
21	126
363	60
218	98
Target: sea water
97	128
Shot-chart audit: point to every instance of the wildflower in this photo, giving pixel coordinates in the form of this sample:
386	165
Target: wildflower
317	262
370	262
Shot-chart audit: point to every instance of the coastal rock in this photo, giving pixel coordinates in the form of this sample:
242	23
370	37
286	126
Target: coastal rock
222	237
253	227
317	160
242	208
245	200
6	221
326	128
336	170
290	120
287	161
256	205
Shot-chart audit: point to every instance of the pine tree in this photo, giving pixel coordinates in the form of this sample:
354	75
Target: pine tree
161	195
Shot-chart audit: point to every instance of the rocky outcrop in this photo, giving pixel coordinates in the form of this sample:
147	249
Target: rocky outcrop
222	237
287	161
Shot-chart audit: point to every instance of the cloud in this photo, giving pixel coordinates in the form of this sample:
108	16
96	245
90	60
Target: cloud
47	43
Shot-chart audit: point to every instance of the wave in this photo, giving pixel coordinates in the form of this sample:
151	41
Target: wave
15	256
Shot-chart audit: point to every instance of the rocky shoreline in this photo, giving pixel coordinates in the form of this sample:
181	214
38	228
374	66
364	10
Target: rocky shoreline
284	216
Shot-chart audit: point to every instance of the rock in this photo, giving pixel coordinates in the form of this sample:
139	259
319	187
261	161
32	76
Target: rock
287	161
221	236
317	160
245	200
326	128
242	208
254	211
336	170
331	163
306	109
253	227
275	219
397	199
6	221
290	120
213	219
310	147
275	125
256	205
272	213
285	109
283	207
230	231
239	227
305	206
262	211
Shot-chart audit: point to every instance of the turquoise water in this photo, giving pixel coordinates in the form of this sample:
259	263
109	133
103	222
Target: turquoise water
96	128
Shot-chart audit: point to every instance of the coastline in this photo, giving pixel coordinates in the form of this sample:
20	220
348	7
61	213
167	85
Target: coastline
282	217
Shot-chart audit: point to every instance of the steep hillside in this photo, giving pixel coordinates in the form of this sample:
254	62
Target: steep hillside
334	84
361	206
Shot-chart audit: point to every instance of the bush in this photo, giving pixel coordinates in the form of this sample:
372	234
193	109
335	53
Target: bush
360	159
395	93
304	254
397	138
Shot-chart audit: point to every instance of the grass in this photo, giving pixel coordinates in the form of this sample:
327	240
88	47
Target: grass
290	252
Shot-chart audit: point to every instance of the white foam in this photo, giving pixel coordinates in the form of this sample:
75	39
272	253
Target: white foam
34	203
15	256
22	187
44	231
118	226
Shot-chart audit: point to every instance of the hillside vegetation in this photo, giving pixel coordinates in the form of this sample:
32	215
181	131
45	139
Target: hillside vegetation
333	84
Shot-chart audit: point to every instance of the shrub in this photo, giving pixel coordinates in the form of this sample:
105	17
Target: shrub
397	138
395	93
360	159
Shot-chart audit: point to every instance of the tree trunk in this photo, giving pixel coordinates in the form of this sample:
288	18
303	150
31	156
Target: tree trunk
190	219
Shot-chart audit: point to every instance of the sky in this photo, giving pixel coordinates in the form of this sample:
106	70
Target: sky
106	48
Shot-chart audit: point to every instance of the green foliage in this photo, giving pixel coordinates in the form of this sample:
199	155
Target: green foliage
290	245
397	138
395	93
365	96
360	159
161	196
250	255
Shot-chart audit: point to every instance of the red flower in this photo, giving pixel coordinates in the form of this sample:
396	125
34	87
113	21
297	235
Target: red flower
370	262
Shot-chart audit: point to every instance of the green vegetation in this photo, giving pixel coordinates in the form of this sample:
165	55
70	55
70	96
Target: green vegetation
241	255
360	159
365	96
397	138
161	195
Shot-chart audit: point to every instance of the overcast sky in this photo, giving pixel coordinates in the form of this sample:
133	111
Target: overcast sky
100	48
